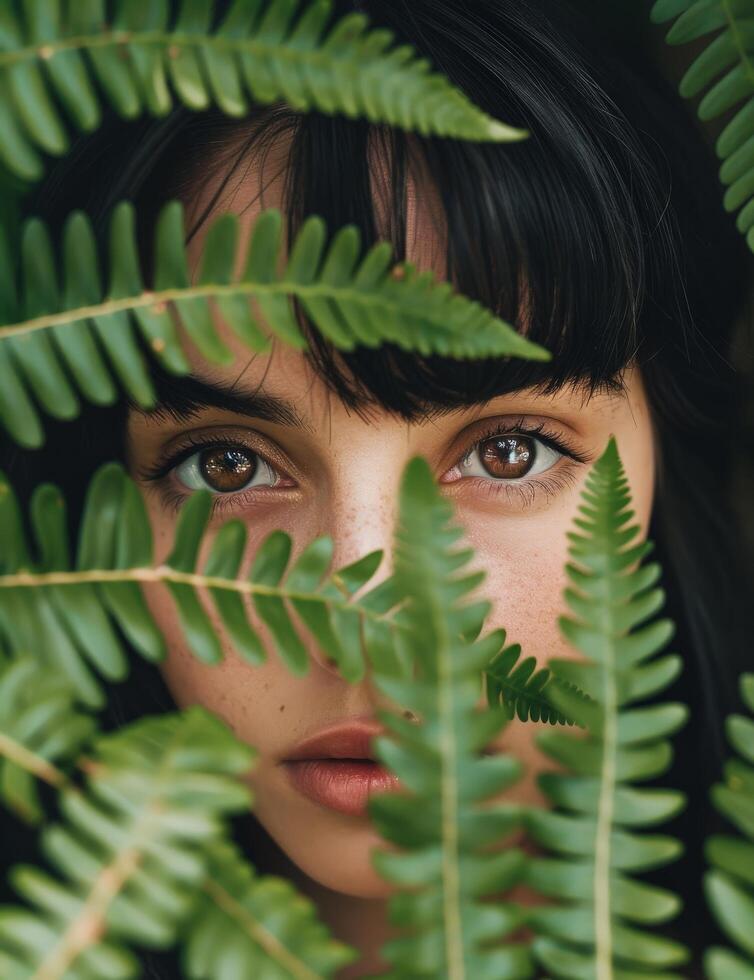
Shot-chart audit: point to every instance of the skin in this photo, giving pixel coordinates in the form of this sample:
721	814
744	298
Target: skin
341	473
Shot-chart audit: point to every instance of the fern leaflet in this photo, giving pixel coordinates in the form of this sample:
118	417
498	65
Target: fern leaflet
40	727
521	689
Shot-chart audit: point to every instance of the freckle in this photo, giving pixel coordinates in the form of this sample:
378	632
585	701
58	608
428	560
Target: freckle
282	707
332	661
408	714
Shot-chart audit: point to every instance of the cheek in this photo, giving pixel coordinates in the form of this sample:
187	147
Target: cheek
252	699
523	560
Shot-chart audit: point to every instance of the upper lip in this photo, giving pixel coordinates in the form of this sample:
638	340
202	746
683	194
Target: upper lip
349	741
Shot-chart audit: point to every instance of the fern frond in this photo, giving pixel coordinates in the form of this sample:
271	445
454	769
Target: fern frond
72	608
244	925
725	68
130	852
522	690
598	929
444	862
67	332
61	57
40	727
729	887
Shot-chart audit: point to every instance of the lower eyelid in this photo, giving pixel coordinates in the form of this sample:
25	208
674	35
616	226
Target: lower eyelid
174	497
547	485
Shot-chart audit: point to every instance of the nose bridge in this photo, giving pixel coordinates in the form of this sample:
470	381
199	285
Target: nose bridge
361	515
360	508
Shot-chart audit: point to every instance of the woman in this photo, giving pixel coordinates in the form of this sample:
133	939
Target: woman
601	236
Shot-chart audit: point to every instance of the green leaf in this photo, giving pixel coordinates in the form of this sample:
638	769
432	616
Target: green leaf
246	925
729	885
40	728
521	689
591	828
51	333
73	608
436	819
141	59
131	848
724	68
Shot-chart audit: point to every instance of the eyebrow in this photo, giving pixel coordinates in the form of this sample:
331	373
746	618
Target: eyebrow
588	389
183	398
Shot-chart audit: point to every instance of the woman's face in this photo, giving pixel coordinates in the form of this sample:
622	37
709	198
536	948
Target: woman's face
514	468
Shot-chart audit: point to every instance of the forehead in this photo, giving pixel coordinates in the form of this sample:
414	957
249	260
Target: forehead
248	184
258	179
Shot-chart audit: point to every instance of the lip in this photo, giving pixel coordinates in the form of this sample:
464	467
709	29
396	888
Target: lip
337	768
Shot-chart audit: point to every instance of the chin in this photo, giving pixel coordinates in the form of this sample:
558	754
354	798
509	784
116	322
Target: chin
340	858
359	880
332	849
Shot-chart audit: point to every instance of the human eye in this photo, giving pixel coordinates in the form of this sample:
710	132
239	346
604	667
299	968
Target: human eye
520	459
225	469
228	466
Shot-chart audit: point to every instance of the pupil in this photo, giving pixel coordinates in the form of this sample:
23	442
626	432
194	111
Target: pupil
508	457
227	469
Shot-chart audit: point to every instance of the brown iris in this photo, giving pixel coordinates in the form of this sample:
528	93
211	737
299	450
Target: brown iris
228	468
507	457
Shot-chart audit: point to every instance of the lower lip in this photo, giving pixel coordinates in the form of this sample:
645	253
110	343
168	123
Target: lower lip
341	784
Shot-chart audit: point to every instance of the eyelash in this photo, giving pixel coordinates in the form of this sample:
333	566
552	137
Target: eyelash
159	471
526	490
521	428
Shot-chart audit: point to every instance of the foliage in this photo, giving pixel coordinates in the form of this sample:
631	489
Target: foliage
724	68
40	726
67	55
246	925
156	791
61	329
521	689
70	608
447	861
444	836
593	828
730	883
141	854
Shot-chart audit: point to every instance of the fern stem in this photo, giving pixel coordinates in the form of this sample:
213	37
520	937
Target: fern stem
164	573
206	291
449	793
171	42
89	926
269	942
31	762
602	911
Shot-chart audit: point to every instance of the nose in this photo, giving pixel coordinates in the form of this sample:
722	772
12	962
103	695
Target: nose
360	527
360	518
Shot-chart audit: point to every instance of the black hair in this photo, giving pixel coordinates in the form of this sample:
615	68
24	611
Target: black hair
603	235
